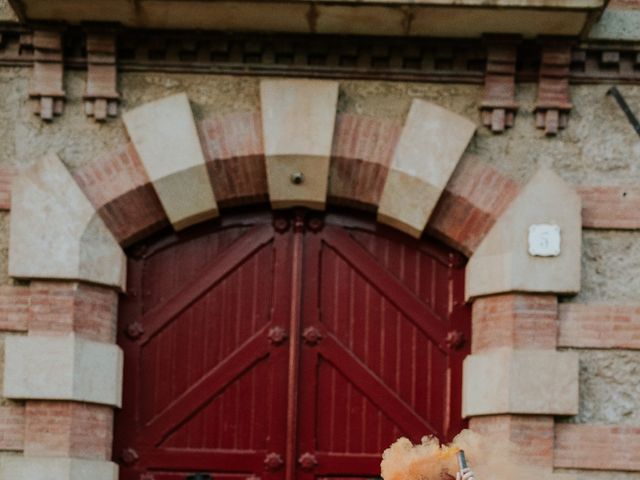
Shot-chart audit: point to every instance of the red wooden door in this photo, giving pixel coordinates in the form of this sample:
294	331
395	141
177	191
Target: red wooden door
294	347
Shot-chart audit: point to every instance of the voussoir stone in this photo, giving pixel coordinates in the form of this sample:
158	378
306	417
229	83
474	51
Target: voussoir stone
56	233
298	118
432	142
165	136
502	262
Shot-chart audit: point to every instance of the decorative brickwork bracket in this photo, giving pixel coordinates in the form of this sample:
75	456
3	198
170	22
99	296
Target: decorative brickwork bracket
101	97
554	104
46	89
498	107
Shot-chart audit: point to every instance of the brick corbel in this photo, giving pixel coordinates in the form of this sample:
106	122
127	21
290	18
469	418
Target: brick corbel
498	107
101	97
47	92
553	104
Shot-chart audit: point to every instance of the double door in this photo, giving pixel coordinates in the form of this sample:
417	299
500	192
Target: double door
287	346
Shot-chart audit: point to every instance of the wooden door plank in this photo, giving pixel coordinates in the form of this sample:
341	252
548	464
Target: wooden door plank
251	352
350	464
216	270
203	460
388	285
374	388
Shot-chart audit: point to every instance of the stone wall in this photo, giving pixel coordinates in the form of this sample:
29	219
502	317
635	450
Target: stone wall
599	148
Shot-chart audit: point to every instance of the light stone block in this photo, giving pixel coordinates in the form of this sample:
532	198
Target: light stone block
55	231
63	368
506	381
166	139
298	118
51	468
502	262
434	18
431	143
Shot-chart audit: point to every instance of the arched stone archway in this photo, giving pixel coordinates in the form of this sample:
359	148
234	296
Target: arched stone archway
67	233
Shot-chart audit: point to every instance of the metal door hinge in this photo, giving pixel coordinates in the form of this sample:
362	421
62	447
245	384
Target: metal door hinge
312	336
129	456
273	462
454	340
135	330
277	335
308	461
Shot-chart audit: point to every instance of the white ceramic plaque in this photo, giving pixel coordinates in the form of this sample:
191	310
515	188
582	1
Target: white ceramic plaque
544	240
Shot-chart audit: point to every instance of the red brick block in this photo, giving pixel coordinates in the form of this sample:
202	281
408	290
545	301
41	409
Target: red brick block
515	320
11	427
6	176
597	447
599	326
526	438
610	207
14	308
68	429
474	198
118	187
68	307
362	152
233	147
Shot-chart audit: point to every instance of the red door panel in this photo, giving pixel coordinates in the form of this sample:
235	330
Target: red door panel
378	365
215	382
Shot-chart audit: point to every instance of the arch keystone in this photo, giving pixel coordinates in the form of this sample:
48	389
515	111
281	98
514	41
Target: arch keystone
431	143
298	118
56	232
505	262
165	137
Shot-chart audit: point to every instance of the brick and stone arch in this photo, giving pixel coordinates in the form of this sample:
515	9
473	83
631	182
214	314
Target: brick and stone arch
68	231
